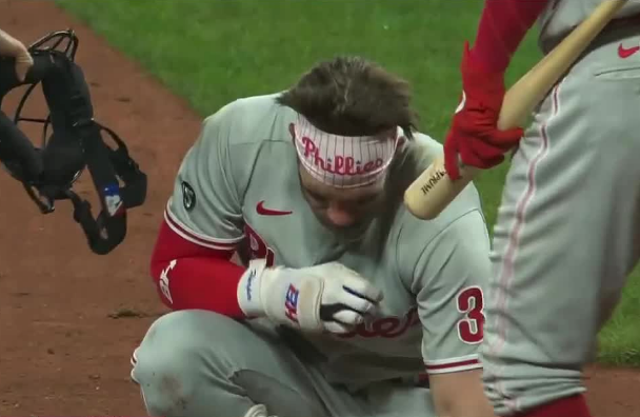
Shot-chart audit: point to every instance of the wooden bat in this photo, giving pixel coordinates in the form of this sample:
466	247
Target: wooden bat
433	190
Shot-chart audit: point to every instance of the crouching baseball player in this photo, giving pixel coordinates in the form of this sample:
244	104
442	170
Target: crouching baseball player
344	303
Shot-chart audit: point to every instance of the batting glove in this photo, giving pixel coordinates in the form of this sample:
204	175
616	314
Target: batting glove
328	297
474	138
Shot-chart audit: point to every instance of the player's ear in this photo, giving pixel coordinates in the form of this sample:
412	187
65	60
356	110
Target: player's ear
401	141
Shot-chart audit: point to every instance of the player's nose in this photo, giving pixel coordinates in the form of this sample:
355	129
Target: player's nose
339	216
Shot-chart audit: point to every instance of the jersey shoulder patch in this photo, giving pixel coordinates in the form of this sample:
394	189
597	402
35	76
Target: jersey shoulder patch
188	196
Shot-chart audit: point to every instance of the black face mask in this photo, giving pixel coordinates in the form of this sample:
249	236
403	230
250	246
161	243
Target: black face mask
75	143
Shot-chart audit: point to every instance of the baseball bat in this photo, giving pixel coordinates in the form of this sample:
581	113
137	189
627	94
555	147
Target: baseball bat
433	190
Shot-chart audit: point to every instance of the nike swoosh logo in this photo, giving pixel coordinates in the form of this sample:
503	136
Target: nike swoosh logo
627	52
262	210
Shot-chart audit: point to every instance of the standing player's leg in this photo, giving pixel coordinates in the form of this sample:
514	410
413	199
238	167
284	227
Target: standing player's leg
566	236
199	363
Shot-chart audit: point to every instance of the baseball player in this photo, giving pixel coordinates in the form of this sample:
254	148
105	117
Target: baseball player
343	303
567	230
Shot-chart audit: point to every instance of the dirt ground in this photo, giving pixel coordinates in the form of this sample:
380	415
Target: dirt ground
70	319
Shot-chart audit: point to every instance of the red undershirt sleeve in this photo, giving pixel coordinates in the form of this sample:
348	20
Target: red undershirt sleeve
502	27
191	276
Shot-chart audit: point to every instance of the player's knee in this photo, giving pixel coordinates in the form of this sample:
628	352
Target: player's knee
163	366
182	350
175	357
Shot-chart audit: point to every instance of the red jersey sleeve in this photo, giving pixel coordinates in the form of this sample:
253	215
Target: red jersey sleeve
502	27
192	276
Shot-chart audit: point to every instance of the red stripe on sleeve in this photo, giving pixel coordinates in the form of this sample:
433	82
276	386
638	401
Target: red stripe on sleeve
452	365
187	234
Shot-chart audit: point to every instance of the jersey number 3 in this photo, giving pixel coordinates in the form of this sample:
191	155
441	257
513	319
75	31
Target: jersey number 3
471	303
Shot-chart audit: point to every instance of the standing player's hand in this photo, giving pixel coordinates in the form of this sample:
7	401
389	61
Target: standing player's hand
474	138
328	297
12	48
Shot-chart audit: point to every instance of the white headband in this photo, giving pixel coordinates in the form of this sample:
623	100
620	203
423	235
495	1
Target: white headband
343	161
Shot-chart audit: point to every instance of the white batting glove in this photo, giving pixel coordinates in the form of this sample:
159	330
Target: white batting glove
327	297
13	48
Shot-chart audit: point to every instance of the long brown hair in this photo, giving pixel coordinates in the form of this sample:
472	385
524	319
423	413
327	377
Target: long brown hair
352	96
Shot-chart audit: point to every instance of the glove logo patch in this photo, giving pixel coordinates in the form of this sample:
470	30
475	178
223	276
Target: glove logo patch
249	288
188	196
291	303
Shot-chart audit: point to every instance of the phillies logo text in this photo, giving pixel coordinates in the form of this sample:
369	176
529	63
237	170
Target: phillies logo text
341	166
386	327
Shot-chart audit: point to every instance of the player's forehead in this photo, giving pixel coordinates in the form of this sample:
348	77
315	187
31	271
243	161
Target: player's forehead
319	188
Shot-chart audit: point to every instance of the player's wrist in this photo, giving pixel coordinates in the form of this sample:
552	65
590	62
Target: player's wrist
249	289
263	291
480	82
272	292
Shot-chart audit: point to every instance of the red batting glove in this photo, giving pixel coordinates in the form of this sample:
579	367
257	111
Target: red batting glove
473	136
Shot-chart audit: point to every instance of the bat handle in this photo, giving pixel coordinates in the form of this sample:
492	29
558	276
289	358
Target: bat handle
434	190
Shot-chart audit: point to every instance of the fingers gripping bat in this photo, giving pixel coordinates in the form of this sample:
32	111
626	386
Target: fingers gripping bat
433	190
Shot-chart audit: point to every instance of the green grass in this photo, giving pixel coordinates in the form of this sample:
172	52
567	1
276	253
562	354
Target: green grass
620	339
213	51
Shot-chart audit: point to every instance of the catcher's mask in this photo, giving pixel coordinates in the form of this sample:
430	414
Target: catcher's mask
75	143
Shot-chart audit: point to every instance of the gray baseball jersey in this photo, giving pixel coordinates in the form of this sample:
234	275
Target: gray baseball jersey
567	234
561	16
238	187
